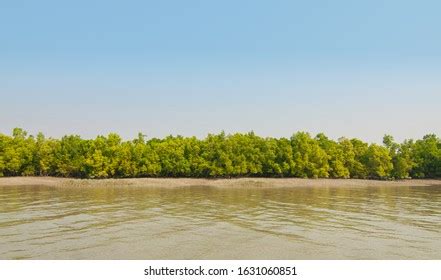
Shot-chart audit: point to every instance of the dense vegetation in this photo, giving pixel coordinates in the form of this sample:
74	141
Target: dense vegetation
218	156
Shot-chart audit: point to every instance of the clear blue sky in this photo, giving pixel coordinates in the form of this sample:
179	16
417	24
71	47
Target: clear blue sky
346	68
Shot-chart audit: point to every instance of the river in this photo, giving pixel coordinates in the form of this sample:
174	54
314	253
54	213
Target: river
41	222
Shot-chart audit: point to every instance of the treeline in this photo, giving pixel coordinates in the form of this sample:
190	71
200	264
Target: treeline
218	156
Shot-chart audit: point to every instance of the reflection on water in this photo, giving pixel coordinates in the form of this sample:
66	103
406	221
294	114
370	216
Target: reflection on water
213	223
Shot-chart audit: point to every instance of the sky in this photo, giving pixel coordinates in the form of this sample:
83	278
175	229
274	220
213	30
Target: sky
346	68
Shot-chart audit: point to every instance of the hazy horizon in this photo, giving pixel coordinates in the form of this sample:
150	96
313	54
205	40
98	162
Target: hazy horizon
192	68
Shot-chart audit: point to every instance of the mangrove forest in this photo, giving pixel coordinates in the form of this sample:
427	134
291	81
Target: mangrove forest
218	156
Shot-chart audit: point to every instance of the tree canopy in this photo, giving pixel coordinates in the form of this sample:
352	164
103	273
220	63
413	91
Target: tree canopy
218	156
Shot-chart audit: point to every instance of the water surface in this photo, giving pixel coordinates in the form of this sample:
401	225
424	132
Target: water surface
200	222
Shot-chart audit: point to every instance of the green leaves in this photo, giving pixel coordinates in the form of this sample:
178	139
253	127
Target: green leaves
427	156
378	162
218	156
310	160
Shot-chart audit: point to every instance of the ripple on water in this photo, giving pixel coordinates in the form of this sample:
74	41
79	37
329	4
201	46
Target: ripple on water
203	222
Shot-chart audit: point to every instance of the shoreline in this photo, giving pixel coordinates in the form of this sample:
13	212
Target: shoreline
235	182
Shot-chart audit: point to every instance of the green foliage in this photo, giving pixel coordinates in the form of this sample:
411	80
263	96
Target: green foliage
427	157
378	162
218	156
311	161
402	160
357	167
337	156
70	155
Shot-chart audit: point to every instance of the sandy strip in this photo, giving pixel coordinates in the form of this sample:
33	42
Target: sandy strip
185	182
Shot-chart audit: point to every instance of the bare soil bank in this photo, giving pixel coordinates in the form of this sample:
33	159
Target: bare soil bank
240	182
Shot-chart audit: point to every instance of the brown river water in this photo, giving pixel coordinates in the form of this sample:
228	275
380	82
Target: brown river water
200	222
